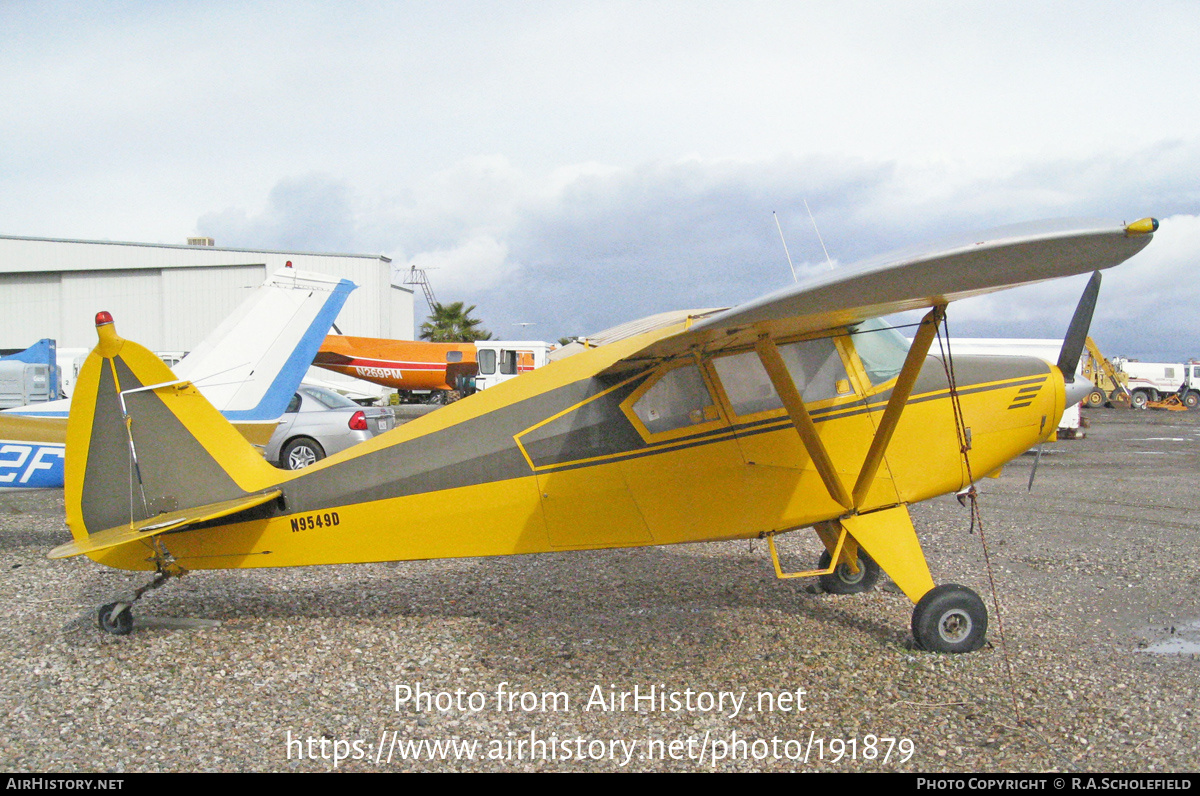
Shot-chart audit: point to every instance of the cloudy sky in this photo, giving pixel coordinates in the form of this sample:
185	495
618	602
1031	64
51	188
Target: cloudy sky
578	164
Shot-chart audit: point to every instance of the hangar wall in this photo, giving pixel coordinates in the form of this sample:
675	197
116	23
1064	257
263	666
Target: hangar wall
169	297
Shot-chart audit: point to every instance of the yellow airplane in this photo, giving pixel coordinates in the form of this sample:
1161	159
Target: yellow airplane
799	409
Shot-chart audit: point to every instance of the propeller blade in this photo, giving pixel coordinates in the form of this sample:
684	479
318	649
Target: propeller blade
1077	332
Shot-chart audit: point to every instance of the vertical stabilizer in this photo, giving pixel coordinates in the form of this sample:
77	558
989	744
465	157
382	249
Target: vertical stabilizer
252	363
142	443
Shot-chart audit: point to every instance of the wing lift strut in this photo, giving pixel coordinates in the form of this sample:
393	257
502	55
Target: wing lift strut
887	533
842	545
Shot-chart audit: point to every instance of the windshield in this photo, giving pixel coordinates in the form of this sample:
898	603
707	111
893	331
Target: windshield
328	398
881	349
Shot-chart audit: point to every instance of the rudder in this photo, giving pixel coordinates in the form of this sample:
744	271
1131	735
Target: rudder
141	443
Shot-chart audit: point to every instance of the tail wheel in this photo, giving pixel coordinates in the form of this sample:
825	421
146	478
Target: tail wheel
843	581
115	618
950	618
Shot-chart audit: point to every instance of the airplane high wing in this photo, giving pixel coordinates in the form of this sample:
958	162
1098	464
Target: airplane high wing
796	410
248	367
916	278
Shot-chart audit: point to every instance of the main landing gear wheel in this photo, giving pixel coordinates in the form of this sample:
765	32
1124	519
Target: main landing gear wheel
115	618
843	581
950	618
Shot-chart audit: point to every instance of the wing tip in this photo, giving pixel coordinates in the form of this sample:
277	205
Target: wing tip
1143	226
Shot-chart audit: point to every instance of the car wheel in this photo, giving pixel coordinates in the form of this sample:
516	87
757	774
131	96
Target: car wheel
1140	399
300	453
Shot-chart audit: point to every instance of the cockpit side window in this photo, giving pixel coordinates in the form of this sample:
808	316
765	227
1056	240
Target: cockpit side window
746	384
815	366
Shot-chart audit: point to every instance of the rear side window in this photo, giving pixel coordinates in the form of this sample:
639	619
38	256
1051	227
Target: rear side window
677	400
328	398
746	383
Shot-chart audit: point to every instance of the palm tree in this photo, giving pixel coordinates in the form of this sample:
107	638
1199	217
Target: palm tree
451	323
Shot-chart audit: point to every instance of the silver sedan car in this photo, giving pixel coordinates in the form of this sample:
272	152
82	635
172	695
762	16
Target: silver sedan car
319	422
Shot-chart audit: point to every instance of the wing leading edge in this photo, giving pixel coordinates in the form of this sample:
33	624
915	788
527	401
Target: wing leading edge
913	279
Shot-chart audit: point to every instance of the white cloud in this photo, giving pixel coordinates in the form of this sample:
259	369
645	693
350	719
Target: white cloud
472	267
610	157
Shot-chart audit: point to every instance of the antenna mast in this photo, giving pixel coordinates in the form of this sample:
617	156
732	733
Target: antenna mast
785	248
819	238
416	276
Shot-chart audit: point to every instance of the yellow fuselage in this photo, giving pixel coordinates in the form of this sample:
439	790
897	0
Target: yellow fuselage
559	460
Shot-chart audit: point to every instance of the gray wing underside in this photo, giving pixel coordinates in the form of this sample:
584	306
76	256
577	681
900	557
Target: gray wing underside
912	279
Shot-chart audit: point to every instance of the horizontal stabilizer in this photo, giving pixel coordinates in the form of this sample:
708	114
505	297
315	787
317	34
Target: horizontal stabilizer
152	526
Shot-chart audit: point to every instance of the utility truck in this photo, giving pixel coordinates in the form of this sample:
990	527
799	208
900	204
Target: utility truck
1151	382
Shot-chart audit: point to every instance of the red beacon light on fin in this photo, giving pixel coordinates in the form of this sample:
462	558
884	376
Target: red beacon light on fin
103	318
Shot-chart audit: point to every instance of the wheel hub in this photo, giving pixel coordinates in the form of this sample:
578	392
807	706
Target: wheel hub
301	458
846	576
955	626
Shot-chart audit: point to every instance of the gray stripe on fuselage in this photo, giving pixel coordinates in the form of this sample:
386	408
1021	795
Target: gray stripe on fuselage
476	451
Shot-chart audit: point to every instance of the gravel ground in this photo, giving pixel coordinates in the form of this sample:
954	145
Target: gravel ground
1097	572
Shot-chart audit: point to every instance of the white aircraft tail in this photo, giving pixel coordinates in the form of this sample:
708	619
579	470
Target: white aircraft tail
252	363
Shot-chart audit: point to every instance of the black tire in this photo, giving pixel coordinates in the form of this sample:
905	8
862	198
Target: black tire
1139	399
950	618
843	581
119	624
300	453
1095	399
1191	399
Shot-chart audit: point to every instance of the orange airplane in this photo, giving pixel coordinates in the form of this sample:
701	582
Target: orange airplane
400	364
415	365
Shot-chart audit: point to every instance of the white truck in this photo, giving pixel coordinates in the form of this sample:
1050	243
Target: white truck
1155	381
501	360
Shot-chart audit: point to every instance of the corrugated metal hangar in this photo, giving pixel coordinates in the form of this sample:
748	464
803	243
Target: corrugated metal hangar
169	297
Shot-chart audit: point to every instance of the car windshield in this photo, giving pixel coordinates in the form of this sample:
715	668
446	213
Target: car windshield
328	398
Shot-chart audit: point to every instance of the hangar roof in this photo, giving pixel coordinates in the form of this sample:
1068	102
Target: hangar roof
24	255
